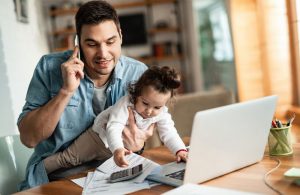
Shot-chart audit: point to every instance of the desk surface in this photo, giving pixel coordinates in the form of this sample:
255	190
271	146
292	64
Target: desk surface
247	179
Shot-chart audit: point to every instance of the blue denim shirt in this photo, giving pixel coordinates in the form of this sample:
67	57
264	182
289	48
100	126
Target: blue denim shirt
78	115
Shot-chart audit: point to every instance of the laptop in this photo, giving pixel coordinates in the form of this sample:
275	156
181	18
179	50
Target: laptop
223	140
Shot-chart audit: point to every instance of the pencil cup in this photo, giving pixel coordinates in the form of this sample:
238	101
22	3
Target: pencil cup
280	141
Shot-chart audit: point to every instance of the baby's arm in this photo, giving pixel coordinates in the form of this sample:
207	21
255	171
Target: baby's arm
115	125
117	133
170	137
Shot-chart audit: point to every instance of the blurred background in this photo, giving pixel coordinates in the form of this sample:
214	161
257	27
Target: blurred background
249	47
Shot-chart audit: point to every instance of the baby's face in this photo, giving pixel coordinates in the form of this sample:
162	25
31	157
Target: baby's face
151	102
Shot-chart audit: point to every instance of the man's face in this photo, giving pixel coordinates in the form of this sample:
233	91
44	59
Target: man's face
101	46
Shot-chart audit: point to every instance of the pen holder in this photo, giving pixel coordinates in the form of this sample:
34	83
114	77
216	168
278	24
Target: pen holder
280	141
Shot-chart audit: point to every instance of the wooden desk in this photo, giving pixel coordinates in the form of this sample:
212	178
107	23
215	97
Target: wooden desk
247	179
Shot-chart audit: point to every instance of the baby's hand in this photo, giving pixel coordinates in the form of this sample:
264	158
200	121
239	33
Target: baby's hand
119	157
182	156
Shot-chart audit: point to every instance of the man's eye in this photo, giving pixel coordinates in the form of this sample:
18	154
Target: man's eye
91	44
110	42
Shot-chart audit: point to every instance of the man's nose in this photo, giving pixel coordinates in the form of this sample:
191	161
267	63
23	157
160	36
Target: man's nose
102	50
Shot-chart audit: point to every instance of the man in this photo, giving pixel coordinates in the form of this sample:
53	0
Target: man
66	93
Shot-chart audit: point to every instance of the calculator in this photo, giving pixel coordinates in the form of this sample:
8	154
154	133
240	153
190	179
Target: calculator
126	174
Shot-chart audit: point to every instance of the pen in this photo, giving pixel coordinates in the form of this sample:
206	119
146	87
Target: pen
274	124
279	124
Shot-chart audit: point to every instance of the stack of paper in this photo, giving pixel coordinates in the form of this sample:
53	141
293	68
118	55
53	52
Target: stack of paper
97	182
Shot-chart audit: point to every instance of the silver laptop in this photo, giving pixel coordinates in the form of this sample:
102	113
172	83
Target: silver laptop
223	140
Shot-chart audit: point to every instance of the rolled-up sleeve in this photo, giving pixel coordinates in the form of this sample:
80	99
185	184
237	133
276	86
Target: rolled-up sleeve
38	92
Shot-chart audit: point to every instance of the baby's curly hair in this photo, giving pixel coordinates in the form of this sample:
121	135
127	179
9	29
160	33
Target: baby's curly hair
162	79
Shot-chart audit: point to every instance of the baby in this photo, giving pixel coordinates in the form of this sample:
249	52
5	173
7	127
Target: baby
147	99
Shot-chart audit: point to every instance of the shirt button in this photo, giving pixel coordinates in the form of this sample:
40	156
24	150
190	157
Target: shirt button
91	85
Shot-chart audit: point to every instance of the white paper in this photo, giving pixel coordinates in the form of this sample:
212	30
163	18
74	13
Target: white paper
97	182
194	189
88	178
80	181
117	188
109	166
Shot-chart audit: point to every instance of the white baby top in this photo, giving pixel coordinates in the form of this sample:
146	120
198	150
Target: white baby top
110	123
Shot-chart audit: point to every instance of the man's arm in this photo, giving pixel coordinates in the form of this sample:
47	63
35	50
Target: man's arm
40	123
133	138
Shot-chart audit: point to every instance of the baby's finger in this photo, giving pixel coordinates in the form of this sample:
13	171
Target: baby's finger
178	159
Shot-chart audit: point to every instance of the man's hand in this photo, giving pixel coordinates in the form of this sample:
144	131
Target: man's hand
134	138
72	72
119	157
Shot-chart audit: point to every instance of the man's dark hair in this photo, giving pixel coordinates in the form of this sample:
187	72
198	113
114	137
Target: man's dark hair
95	12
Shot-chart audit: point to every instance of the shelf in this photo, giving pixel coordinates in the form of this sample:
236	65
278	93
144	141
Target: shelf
150	60
141	3
152	2
152	31
163	30
64	36
72	11
63	11
66	31
129	5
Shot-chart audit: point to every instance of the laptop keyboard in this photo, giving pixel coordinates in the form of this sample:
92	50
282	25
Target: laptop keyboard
177	175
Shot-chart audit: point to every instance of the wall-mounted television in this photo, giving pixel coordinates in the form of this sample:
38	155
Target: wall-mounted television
133	28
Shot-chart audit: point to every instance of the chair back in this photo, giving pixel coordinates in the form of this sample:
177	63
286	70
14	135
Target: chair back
185	107
13	160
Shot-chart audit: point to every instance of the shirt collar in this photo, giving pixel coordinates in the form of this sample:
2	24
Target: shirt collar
119	69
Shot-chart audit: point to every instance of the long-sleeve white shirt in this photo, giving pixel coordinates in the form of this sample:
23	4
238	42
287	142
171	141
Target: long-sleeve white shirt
110	123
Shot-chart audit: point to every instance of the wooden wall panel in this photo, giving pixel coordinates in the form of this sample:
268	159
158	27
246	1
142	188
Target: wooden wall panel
293	18
260	31
246	49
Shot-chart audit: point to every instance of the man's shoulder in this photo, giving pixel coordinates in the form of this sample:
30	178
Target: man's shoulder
54	60
130	68
125	99
129	62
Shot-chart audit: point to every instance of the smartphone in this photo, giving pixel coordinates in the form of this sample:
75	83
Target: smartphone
126	174
76	42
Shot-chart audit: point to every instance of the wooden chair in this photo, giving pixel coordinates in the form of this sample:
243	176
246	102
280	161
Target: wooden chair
185	107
